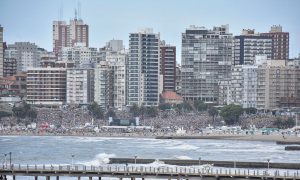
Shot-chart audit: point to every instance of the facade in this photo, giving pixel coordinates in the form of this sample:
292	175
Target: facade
80	55
206	60
178	79
101	84
13	85
243	86
1	51
26	54
68	35
280	43
248	45
168	66
46	86
80	86
117	79
113	46
278	85
143	68
9	67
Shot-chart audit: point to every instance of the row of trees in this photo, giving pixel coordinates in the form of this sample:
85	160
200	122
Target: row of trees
23	111
284	123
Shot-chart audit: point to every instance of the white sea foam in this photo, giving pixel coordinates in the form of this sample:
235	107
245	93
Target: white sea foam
183	147
182	157
100	159
89	139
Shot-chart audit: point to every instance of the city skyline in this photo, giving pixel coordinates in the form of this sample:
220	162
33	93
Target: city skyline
170	19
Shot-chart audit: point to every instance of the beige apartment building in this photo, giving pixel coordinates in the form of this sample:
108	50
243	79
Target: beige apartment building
278	85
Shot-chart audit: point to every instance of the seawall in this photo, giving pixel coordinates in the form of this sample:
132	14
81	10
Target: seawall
232	164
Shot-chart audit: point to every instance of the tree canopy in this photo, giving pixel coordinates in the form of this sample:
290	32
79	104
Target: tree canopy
200	105
213	112
231	113
95	110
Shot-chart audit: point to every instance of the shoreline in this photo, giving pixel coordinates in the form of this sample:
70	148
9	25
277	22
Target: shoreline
269	138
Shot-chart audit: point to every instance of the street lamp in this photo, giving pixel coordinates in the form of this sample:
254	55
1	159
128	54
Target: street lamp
72	160
10	159
199	161
268	164
5	162
135	159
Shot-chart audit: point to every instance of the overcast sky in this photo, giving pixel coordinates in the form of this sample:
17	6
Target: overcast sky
31	20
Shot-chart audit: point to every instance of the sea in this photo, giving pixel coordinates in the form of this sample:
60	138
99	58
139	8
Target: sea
65	150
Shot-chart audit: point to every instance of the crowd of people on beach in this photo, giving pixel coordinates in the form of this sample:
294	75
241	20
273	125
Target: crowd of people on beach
79	121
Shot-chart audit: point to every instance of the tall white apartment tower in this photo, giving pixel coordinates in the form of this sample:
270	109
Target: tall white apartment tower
143	68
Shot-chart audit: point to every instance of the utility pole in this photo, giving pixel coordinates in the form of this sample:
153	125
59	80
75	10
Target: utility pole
10	159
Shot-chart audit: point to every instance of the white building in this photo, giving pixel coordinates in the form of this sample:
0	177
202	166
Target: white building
26	54
80	86
117	82
101	84
241	89
80	55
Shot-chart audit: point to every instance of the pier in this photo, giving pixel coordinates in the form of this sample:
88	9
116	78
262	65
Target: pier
142	172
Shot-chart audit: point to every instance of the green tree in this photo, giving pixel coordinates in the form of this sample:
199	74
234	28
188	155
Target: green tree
19	112
152	111
251	110
142	111
200	106
32	114
164	106
4	114
278	123
111	113
213	112
96	110
231	113
134	110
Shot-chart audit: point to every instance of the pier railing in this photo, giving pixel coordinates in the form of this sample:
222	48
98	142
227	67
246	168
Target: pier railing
138	170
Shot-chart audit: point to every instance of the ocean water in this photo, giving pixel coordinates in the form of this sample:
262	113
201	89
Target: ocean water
97	150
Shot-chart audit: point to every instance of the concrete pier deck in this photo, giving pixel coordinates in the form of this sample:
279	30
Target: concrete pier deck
143	172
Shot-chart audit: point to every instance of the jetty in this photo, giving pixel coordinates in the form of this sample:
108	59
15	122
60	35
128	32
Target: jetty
142	172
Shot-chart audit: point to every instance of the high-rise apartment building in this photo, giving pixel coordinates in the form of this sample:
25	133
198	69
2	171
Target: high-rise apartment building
206	60
46	86
168	66
242	89
1	52
280	42
101	84
143	68
80	55
26	54
68	35
278	85
80	86
248	45
117	79
9	67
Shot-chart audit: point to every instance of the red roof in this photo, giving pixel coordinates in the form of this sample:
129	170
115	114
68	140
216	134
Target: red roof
171	95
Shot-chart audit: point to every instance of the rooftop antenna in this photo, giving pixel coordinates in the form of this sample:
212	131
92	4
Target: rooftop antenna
75	14
79	9
61	11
